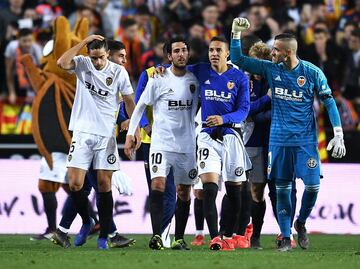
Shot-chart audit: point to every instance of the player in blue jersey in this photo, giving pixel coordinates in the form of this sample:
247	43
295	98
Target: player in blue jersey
224	92
293	135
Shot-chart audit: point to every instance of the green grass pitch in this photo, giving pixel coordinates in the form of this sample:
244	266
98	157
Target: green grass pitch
326	252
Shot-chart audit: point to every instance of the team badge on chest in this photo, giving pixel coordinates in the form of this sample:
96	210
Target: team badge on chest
301	81
192	88
230	84
109	81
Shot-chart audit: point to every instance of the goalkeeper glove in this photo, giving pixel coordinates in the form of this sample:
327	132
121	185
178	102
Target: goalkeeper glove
337	143
239	25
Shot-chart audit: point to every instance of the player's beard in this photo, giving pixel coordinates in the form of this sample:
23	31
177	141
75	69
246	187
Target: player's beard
180	67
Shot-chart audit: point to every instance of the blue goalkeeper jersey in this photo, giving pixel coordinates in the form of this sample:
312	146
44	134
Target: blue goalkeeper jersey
225	94
293	120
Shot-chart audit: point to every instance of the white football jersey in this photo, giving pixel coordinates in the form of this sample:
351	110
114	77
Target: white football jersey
97	96
175	101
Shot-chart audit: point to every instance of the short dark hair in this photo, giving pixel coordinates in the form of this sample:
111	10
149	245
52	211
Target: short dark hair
128	22
142	10
173	40
219	38
24	32
247	42
97	44
351	23
114	45
320	31
356	32
285	36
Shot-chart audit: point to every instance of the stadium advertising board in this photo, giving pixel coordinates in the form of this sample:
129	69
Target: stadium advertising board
21	208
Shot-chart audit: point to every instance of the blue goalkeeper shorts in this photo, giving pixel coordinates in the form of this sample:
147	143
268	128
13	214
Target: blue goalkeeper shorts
288	163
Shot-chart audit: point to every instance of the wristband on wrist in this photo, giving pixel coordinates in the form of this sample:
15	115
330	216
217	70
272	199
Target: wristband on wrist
236	35
338	131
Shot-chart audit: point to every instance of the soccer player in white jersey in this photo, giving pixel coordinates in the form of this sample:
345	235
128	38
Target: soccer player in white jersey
174	98
93	118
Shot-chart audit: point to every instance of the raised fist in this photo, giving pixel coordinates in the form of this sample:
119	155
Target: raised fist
239	25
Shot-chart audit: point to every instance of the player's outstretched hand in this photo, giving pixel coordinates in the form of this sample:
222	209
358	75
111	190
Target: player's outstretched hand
239	25
337	144
130	146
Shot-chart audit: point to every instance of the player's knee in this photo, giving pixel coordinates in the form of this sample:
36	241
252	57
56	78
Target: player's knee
199	194
183	192
104	185
158	184
257	192
48	186
75	187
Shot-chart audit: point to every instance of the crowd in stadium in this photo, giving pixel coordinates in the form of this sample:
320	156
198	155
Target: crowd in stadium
328	34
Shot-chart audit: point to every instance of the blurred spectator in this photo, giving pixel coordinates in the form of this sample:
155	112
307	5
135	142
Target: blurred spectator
262	24
352	14
8	20
129	8
16	79
67	6
173	29
286	25
328	56
334	10
310	14
95	13
198	47
343	36
288	8
149	26
48	10
352	70
113	9
233	9
95	21
31	19
156	7
153	56
213	27
183	11
128	34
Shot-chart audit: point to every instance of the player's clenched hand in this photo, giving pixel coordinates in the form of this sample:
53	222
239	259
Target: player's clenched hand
239	25
337	144
214	120
130	146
